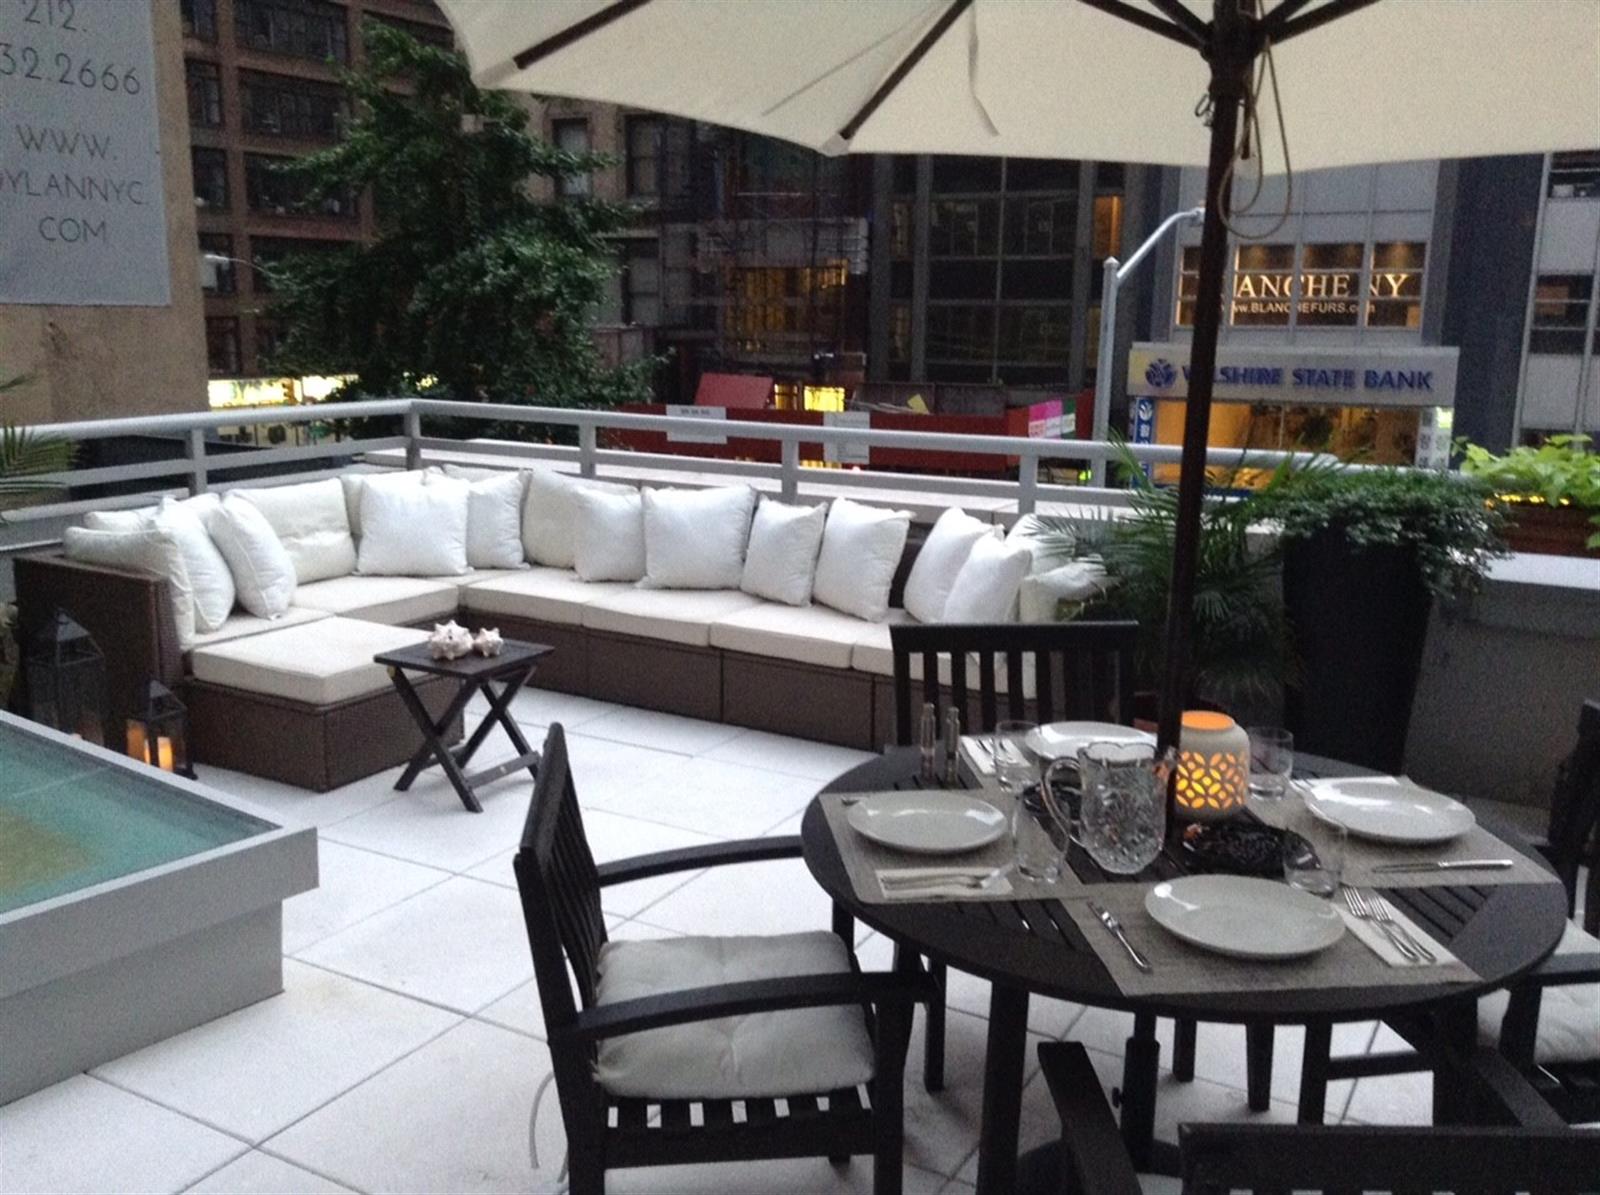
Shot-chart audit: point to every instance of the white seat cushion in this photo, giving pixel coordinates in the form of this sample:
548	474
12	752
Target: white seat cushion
1569	1017
795	1052
809	634
242	623
317	663
381	599
675	615
545	594
872	651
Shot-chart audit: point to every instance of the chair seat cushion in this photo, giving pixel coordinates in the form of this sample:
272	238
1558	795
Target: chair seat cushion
392	600
808	634
873	652
794	1052
240	623
672	615
543	594
318	663
1569	1017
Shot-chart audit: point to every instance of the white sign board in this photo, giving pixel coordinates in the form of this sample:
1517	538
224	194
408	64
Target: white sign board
847	454
1387	376
691	412
82	216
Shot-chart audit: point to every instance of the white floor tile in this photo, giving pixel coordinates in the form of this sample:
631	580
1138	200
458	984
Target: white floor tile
461	944
451	1117
262	1174
726	800
432	828
798	757
518	1009
659	731
261	1068
541	707
85	1135
352	885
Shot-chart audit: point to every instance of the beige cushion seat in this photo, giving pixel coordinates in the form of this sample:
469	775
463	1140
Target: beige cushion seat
807	634
672	615
545	594
767	1054
318	663
392	600
241	623
1569	1016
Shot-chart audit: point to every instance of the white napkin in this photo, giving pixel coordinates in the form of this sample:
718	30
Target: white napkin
1373	937
978	757
997	885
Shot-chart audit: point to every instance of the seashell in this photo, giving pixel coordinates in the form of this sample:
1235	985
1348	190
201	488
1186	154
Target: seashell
488	642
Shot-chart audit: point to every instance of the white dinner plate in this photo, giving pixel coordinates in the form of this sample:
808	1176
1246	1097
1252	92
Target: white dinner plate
1063	740
1389	809
1245	918
928	823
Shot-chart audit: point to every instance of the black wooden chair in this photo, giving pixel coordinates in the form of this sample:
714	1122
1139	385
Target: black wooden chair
1521	1146
820	1066
1040	672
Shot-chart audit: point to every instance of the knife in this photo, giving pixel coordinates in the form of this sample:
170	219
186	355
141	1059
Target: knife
1115	926
1448	865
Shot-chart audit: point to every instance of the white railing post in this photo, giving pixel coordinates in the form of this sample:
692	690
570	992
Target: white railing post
195	450
789	478
411	423
1027	483
588	445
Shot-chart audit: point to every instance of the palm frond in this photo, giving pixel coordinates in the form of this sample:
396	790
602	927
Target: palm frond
24	456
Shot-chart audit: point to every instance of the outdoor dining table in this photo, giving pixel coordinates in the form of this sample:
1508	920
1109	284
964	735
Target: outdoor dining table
1026	946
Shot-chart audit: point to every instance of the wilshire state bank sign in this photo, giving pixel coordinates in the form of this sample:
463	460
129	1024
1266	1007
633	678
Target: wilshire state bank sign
1410	376
82	217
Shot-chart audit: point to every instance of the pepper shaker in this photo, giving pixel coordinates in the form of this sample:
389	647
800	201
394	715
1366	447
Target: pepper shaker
925	739
952	746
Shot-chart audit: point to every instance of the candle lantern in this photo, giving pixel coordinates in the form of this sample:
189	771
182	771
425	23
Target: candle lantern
66	676
159	735
1213	766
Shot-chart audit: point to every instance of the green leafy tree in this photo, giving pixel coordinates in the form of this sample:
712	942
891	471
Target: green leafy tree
472	289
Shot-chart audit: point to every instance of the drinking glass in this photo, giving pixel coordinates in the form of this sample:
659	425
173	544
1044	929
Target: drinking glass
1122	814
1035	843
1313	859
1271	761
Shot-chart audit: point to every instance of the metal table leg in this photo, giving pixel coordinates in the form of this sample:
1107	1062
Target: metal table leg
1140	1063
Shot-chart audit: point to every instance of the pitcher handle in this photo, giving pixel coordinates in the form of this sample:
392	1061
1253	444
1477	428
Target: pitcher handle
1047	797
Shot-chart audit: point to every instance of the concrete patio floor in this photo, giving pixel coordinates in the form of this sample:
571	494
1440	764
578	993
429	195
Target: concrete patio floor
405	1050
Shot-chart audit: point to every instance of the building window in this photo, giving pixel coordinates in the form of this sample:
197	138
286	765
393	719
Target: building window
1560	313
1330	285
270	191
573	137
199	19
1575	174
1263	285
428	35
204	83
960	333
1107	226
221	273
275	106
311	29
1188	285
1040	227
900	332
222	345
1395	288
267	253
210	179
641	284
1035	334
644	139
964	228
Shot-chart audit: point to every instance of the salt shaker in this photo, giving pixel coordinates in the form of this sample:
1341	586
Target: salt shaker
925	738
952	745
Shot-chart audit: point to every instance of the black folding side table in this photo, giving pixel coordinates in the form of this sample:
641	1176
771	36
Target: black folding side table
511	669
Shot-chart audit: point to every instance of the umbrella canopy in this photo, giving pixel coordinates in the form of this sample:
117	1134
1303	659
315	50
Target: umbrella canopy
1169	82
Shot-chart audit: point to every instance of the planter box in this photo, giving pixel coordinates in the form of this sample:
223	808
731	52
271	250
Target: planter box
1551	530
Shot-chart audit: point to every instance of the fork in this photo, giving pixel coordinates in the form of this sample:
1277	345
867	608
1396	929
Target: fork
1385	917
1363	911
902	883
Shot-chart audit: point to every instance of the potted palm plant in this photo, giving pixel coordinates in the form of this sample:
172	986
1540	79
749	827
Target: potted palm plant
1551	493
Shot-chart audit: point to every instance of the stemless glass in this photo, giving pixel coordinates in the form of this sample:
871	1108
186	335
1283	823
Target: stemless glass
1271	761
1122	817
1035	844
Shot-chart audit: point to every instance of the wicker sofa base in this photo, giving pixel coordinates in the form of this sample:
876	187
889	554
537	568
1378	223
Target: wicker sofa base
308	746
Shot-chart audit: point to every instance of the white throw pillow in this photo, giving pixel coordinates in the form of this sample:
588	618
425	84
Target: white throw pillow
608	535
312	525
861	549
354	483
943	553
263	572
695	539
494	518
781	562
549	514
148	549
986	587
209	577
1042	593
410	530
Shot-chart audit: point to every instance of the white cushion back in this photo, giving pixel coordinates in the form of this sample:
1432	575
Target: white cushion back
312	524
549	512
263	572
212	582
696	539
986	588
861	549
608	535
781	561
943	553
494	518
149	549
353	484
410	530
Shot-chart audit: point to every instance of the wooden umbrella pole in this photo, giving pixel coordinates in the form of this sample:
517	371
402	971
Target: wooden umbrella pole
1231	54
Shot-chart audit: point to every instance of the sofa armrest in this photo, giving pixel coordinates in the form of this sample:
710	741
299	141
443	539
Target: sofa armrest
128	613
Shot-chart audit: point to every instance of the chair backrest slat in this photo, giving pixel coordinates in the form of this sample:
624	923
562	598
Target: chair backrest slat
1044	692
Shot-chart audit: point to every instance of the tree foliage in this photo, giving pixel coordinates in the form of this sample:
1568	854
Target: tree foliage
473	289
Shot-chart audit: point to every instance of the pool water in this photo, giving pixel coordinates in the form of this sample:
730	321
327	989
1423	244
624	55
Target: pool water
69	819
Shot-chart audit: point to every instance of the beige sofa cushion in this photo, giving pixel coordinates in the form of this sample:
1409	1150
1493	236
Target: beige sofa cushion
546	594
242	623
674	615
872	652
808	634
318	663
392	600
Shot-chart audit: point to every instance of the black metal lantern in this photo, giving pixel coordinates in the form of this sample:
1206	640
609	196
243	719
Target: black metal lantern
66	674
159	735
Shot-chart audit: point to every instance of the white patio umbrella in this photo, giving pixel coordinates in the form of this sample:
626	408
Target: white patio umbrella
1168	82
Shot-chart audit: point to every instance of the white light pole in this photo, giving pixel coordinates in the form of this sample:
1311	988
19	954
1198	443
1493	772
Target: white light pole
1115	272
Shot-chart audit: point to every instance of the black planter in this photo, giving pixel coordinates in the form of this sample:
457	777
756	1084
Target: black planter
1359	617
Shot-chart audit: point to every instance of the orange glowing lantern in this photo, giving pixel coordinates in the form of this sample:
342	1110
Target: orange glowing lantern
1213	766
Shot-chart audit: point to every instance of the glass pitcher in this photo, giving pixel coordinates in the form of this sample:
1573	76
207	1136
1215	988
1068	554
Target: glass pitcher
1121	794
